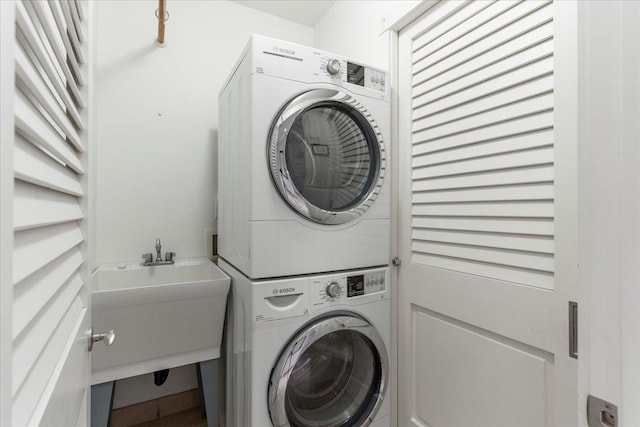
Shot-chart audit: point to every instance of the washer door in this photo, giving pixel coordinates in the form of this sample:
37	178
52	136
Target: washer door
326	156
332	373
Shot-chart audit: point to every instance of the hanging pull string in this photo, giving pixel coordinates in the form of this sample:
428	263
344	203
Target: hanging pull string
163	16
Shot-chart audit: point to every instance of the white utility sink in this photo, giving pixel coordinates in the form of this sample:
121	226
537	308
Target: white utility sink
163	316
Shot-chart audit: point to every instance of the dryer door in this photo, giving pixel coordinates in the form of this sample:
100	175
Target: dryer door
332	373
326	156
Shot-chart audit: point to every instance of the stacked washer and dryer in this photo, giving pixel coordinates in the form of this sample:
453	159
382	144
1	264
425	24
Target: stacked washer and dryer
304	233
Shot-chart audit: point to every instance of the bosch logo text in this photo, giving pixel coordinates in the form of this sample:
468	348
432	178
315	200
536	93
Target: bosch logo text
284	50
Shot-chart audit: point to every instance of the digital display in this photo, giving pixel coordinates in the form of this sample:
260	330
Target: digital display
355	286
355	74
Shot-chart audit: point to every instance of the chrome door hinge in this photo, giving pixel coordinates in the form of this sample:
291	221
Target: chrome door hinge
601	413
573	329
396	262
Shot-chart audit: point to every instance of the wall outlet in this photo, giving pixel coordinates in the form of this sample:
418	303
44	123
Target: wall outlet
211	238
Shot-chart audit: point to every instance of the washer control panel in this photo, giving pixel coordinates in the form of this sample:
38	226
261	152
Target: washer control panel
364	284
356	74
345	289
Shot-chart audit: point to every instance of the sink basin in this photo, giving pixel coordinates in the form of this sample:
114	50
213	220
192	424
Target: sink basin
163	316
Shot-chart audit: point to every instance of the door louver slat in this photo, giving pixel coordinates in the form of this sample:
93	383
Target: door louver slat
36	128
78	6
530	226
543	209
513	176
37	247
540	156
33	293
488	194
37	167
75	19
28	36
34	390
36	206
501	240
39	15
72	32
483	148
27	347
28	76
499	256
62	30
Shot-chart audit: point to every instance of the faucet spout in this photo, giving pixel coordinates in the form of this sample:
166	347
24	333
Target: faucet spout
158	250
148	257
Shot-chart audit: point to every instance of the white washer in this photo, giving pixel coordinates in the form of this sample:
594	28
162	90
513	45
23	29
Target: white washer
308	351
302	155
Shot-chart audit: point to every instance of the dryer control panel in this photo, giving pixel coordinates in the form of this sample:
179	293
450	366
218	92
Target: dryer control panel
348	289
350	72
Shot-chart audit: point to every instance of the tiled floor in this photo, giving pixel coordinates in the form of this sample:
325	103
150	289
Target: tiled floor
176	410
190	418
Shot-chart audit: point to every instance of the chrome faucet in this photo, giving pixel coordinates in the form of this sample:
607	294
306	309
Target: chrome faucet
158	250
148	257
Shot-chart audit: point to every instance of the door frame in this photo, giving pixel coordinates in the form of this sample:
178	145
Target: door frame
7	77
609	198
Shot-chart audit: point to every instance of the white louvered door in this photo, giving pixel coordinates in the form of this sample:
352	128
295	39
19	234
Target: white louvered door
46	197
486	216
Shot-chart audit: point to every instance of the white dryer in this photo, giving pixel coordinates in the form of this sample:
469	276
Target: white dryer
308	351
302	156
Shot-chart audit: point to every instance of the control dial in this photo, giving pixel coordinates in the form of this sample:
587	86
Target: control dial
333	66
333	290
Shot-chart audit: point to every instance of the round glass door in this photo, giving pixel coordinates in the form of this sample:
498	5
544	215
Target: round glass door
327	156
333	373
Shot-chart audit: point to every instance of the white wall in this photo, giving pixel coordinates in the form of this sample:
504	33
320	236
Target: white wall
156	131
355	29
156	114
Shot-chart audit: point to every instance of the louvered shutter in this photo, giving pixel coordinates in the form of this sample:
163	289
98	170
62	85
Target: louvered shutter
487	213
49	275
482	138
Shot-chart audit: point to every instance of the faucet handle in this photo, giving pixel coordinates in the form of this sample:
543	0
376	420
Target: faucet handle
169	256
148	257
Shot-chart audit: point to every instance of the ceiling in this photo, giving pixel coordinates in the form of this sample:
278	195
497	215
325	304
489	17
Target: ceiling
307	12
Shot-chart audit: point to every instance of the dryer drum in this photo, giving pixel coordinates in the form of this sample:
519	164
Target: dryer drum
332	373
326	156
